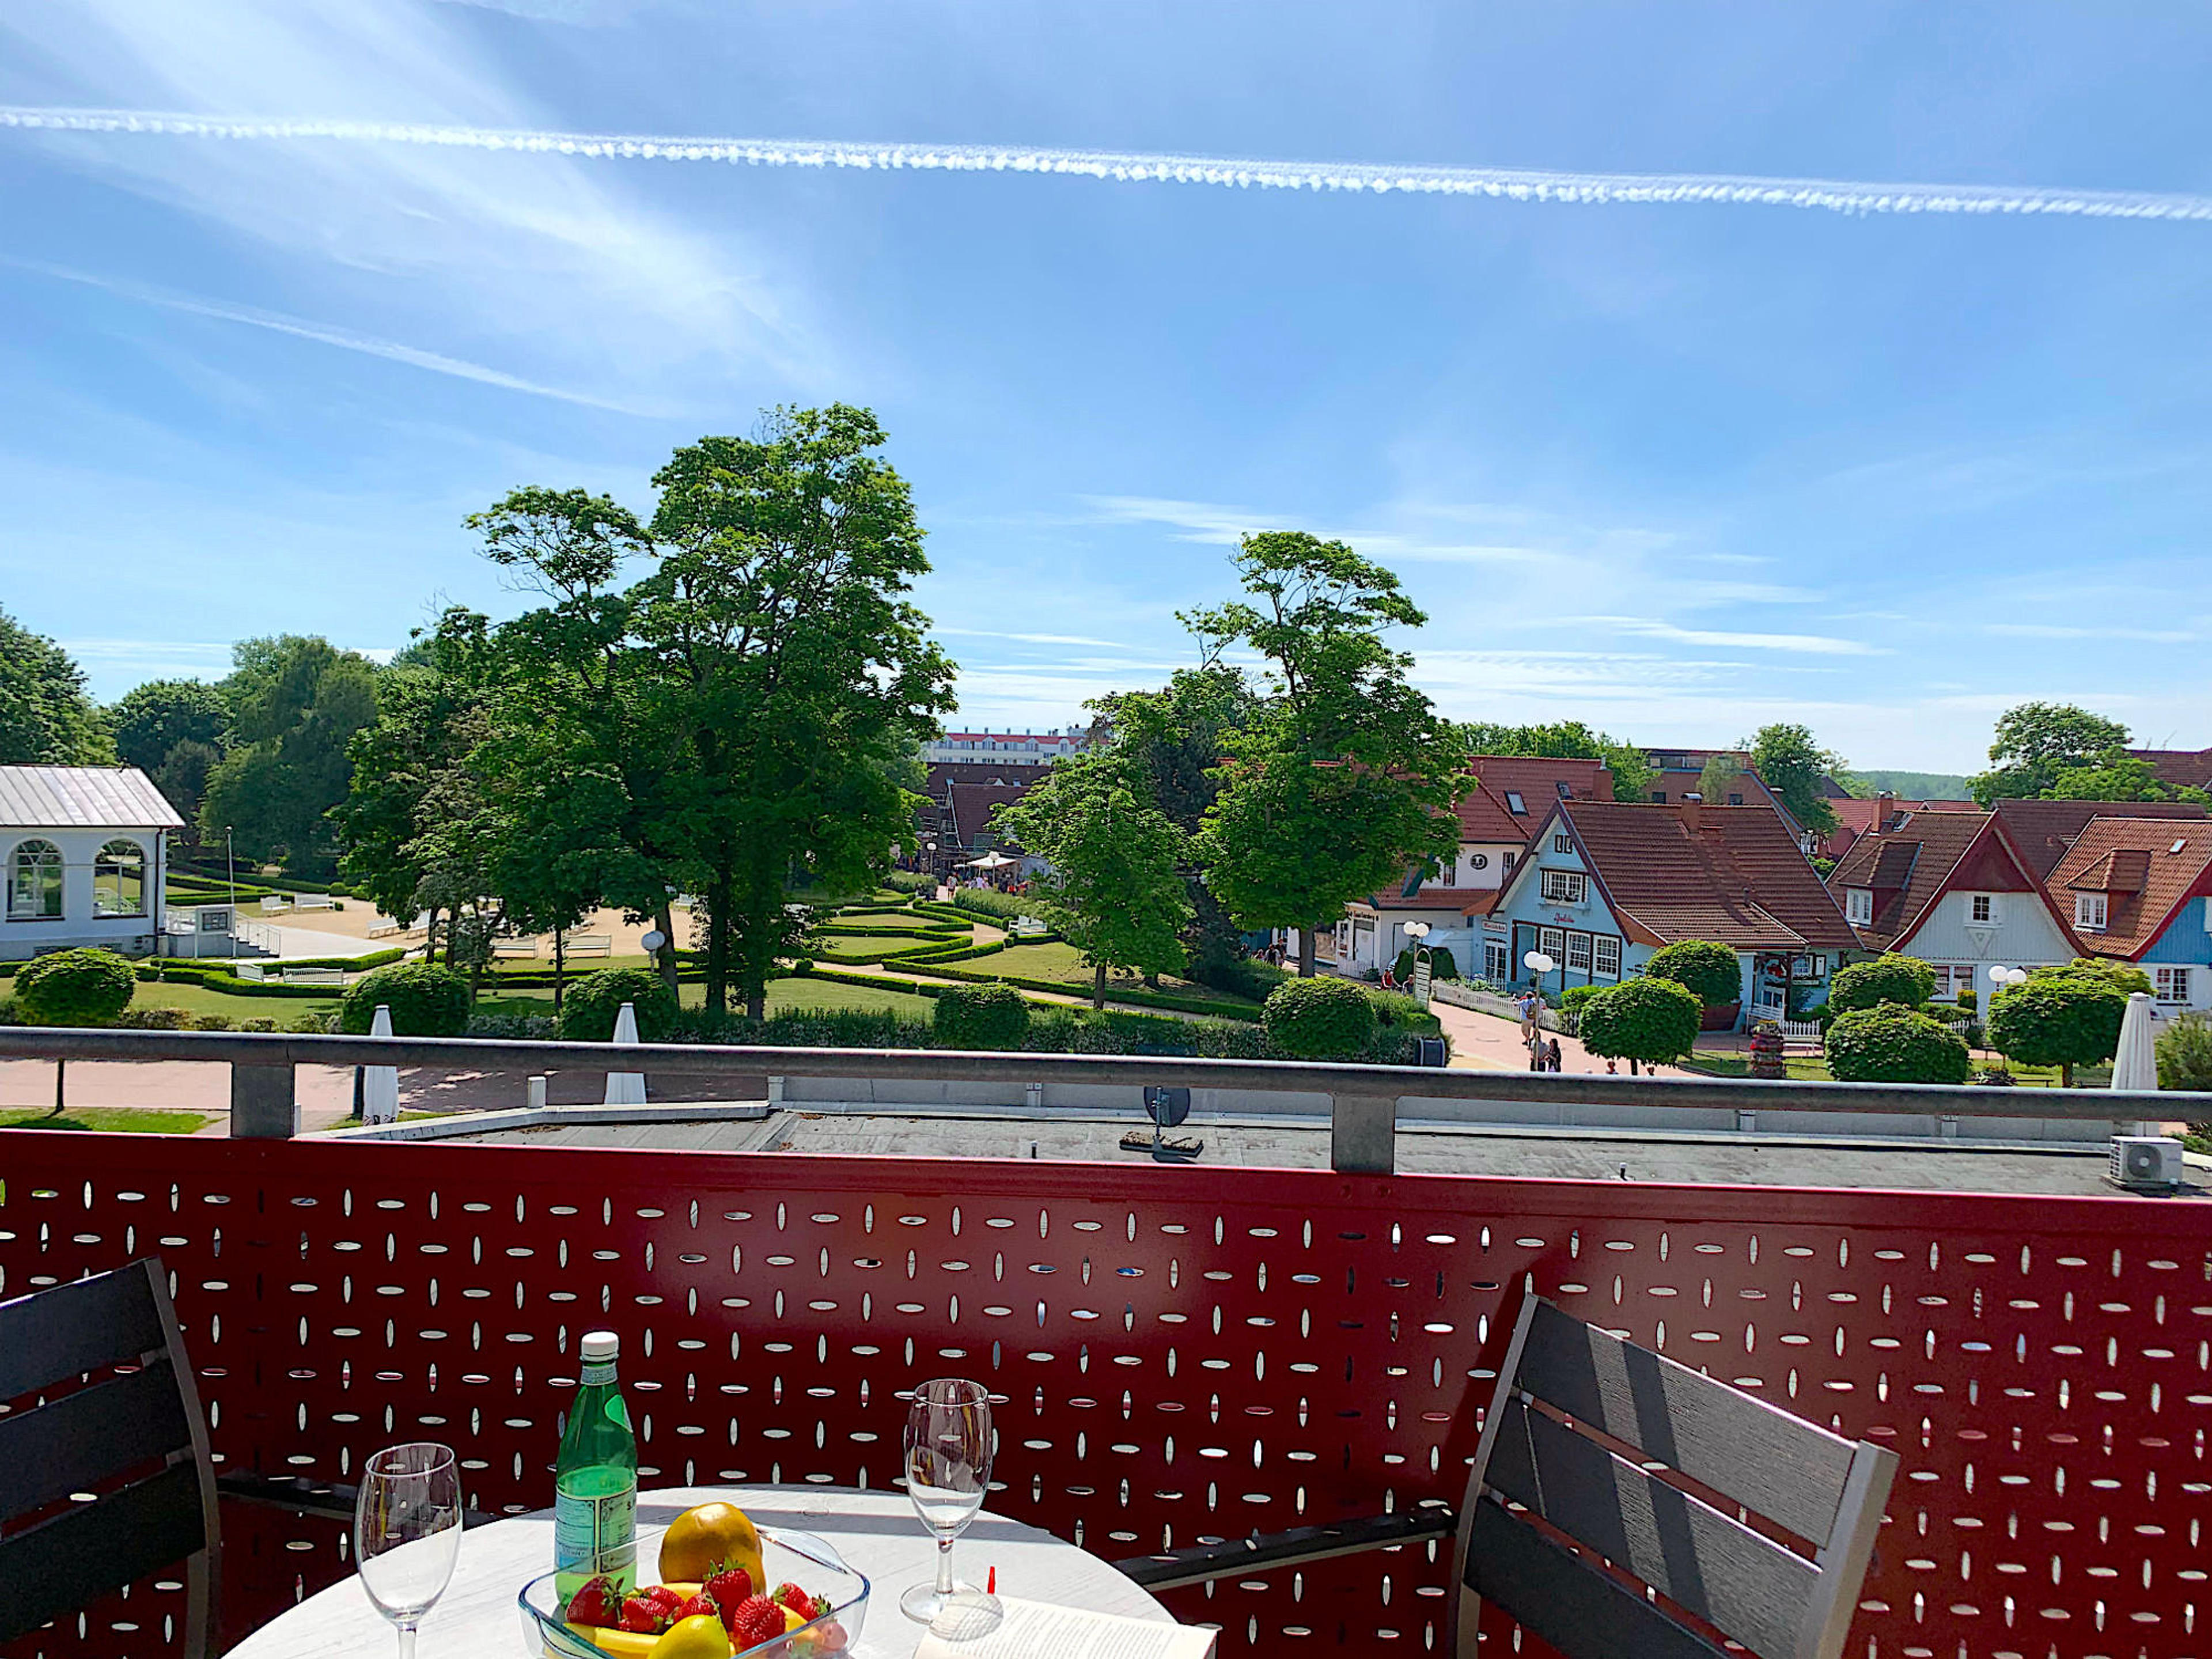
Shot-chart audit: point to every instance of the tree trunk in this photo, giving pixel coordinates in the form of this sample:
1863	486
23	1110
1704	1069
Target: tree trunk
430	937
2065	1074
1098	988
560	964
756	1003
718	943
1305	939
664	919
61	1071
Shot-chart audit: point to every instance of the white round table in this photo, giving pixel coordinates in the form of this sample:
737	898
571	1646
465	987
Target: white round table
876	1531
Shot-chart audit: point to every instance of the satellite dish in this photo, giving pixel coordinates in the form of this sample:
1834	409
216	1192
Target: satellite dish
1167	1107
654	939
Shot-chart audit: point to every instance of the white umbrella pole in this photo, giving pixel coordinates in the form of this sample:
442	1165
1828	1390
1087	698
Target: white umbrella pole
626	1088
379	1084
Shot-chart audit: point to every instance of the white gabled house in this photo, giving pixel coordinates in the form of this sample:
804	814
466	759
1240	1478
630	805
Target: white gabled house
85	852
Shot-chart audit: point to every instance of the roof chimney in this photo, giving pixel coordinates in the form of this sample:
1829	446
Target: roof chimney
1691	802
1885	807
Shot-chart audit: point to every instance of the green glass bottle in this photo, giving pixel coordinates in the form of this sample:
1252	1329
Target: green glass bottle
595	1479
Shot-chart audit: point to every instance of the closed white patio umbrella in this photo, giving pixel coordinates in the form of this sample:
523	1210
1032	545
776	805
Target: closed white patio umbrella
2135	1062
626	1088
379	1084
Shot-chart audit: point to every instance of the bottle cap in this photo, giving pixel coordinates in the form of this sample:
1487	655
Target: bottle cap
600	1346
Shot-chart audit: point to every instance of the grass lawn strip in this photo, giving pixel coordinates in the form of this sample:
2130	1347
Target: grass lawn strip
130	1120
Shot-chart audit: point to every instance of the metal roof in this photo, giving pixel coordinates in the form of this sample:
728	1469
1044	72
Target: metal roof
83	798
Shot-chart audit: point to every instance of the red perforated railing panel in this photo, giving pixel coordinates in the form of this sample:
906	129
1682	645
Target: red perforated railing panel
1183	1352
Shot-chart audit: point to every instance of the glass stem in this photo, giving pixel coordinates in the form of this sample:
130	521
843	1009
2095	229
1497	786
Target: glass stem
944	1566
407	1641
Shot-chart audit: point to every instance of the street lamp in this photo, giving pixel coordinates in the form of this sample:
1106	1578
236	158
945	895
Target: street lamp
1418	930
1540	965
2001	978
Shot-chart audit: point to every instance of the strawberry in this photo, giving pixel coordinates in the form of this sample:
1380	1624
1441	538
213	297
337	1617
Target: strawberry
663	1597
755	1619
729	1586
595	1604
698	1604
797	1599
643	1615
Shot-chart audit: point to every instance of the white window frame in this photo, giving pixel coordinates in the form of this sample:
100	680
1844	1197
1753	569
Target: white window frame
1451	872
120	862
1497	962
1858	906
2092	911
1553	942
1563	887
1608	956
2174	984
1579	952
1562	843
1984	910
24	895
1511	859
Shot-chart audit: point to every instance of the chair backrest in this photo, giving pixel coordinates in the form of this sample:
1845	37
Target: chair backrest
144	1421
1574	1463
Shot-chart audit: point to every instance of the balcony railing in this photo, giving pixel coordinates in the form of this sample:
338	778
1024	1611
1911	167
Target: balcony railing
1183	1352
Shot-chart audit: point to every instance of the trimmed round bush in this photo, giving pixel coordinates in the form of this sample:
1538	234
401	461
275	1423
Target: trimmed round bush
75	988
425	1001
1712	971
2184	1054
2060	1019
591	1005
1441	964
1892	1043
1655	1020
1319	1018
1904	980
989	1016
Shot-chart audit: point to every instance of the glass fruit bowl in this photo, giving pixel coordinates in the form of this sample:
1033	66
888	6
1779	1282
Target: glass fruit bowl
798	1558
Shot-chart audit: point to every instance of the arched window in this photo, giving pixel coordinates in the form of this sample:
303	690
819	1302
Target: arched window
119	880
35	881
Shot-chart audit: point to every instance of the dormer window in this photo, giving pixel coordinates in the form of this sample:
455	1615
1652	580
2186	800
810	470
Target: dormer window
1858	906
1566	793
2089	911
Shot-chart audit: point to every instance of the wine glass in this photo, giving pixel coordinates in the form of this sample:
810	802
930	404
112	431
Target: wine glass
407	1532
948	1476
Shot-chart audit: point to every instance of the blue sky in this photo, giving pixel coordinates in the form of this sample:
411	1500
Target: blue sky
1677	469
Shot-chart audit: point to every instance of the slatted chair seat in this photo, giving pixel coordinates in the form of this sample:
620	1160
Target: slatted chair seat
1622	1504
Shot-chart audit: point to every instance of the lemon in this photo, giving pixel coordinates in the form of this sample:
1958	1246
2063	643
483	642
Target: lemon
792	1621
711	1536
623	1644
699	1637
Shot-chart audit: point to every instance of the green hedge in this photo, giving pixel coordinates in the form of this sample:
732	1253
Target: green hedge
227	983
593	1003
82	987
1322	1018
994	1016
1892	1043
424	1000
940	970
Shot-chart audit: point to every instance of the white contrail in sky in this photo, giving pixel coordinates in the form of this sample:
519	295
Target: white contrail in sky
1515	183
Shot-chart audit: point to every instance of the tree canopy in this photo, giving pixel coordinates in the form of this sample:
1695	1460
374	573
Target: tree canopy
1342	782
47	717
2036	743
151	720
296	703
1795	768
1631	766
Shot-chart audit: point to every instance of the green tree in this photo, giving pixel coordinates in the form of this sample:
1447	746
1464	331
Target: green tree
2061	1019
2035	742
1630	765
1906	981
2116	774
1713	971
296	704
755	693
46	719
80	987
1892	1043
2108	971
183	781
1719	776
1343	781
1651	1020
1795	768
424	1000
151	720
1115	889
2184	1056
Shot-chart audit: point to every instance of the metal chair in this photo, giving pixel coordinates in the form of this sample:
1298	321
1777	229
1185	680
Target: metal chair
1569	1518
146	1415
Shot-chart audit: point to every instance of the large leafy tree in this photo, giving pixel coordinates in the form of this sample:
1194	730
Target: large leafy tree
1795	768
2062	1016
294	705
1565	741
1115	888
46	718
2037	741
151	720
752	698
1342	781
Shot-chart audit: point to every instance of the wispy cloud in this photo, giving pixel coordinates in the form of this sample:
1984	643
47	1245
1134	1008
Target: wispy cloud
1820	645
2068	631
327	334
1218	524
1130	167
1033	639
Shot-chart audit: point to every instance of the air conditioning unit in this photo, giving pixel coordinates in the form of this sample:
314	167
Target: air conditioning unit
2145	1163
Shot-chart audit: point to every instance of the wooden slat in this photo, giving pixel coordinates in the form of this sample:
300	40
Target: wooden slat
76	1441
73	1328
92	1550
1583	1611
1704	1561
1776	1465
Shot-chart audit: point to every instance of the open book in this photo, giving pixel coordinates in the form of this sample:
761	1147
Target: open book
1032	1628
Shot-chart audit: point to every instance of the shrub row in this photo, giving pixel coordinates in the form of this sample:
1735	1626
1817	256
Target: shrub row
940	968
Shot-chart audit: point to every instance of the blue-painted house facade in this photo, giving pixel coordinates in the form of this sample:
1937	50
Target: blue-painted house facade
1606	884
2141	891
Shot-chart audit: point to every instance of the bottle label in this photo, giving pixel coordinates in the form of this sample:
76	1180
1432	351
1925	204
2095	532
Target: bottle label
595	1524
598	1373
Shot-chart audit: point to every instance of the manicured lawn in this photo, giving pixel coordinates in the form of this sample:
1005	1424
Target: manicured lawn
199	1000
1062	962
134	1119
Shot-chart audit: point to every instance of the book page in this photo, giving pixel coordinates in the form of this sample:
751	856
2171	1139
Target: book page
1032	1628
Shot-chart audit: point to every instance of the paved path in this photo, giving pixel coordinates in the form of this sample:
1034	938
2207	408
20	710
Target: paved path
1489	1043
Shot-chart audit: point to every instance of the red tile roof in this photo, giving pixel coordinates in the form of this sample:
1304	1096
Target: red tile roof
1537	778
2181	768
2043	830
1483	818
1468	900
1737	878
2145	867
1907	868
